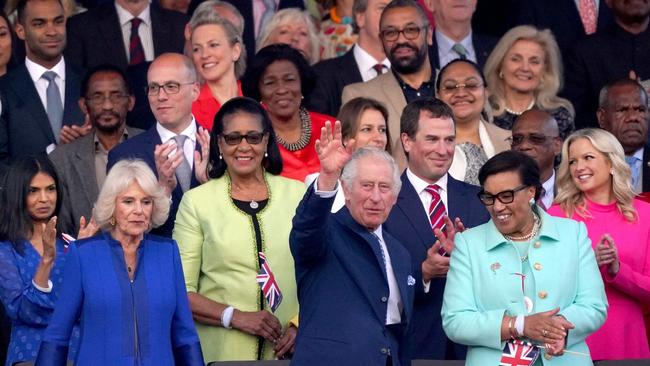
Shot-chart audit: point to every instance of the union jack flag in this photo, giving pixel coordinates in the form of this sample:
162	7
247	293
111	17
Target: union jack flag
519	353
269	286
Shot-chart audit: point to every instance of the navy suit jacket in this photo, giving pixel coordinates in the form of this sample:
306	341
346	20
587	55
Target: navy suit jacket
483	46
645	168
24	126
142	147
343	290
409	223
95	37
333	75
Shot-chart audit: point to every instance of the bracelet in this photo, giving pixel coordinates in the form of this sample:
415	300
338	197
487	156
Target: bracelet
226	317
519	324
511	330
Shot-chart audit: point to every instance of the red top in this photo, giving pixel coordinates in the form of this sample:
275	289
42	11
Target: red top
299	164
206	106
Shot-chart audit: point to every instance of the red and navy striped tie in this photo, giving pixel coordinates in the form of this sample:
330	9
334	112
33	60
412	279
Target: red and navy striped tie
437	210
136	52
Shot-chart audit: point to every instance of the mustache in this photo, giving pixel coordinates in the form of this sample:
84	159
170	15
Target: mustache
403	45
107	114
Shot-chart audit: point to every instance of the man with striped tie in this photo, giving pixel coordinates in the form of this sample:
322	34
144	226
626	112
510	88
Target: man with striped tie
428	199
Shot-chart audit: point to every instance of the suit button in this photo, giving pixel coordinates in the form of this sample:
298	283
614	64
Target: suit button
537	245
547	356
384	351
542	294
538	266
384	299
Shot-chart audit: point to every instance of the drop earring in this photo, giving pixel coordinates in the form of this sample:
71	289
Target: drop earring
266	155
220	157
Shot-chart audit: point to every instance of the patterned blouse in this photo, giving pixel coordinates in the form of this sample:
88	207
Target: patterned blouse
564	121
335	38
29	308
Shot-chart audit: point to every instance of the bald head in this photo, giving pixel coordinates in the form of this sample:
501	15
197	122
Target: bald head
536	134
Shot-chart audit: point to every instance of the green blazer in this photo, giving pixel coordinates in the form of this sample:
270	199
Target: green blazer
481	288
219	256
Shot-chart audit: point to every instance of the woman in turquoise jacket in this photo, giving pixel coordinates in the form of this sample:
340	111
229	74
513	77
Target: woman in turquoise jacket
524	279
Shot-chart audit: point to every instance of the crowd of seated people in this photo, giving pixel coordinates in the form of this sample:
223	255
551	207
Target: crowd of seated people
194	177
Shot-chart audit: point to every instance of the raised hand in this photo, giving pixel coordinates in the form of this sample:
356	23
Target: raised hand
607	254
435	264
447	239
87	229
332	154
167	160
201	158
49	239
73	132
259	323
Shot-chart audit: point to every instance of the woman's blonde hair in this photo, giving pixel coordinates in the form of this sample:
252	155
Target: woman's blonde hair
119	178
571	199
290	15
232	33
551	80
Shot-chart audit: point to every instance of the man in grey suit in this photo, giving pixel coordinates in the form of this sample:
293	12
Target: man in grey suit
106	99
405	32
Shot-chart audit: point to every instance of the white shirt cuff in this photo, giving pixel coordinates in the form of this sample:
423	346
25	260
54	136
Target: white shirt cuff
426	284
43	289
325	194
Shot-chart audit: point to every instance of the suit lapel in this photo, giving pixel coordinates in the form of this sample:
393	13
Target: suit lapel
455	198
409	203
348	62
26	91
646	168
71	91
402	271
159	30
111	32
434	60
85	167
482	52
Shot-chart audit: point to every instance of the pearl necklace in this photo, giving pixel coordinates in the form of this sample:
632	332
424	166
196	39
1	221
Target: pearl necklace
532	103
533	232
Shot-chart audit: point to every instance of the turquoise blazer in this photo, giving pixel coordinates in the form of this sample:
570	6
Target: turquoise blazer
481	288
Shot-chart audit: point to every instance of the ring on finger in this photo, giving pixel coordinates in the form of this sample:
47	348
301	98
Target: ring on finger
544	332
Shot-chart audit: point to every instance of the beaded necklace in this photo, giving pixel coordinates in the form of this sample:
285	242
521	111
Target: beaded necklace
305	133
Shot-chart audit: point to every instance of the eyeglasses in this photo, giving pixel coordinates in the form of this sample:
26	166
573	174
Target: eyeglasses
534	138
99	99
170	87
410	32
235	138
471	86
504	196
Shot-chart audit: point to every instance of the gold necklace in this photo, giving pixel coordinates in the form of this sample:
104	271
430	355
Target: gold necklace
305	133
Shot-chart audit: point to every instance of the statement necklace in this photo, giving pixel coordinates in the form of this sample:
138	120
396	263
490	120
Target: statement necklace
305	133
533	233
532	103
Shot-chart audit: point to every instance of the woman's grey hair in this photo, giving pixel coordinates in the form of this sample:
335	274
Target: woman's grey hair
118	180
291	15
212	6
350	170
211	17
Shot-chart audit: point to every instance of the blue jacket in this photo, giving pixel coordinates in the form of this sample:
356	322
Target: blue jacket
142	322
409	223
343	291
481	288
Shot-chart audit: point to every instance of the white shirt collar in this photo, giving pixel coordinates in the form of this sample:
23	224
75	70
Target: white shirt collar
36	71
420	184
125	17
166	135
549	187
365	61
379	234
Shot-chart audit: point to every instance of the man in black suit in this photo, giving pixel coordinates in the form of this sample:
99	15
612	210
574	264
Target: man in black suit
428	137
103	35
609	55
361	63
562	17
453	36
247	10
39	97
623	111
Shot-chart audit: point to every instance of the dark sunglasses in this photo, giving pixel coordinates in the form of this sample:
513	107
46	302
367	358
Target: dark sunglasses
534	138
504	196
235	138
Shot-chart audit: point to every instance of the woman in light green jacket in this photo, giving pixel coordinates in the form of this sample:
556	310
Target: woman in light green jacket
523	276
231	226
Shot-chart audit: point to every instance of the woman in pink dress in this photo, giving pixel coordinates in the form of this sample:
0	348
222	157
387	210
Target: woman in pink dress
594	186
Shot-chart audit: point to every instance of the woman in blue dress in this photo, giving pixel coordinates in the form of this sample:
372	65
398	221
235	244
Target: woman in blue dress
31	256
125	286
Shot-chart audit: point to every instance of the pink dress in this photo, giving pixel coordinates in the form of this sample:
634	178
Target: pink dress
623	336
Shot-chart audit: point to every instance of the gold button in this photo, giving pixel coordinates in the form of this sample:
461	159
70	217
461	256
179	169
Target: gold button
547	356
537	244
538	266
542	294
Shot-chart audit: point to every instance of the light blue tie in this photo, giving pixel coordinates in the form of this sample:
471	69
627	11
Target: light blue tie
633	162
54	107
183	171
460	50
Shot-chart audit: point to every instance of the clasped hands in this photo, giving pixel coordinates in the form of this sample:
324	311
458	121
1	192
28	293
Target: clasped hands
607	254
266	325
549	329
436	264
168	157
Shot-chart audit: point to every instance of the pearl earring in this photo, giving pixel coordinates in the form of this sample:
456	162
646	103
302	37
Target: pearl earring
266	155
220	157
